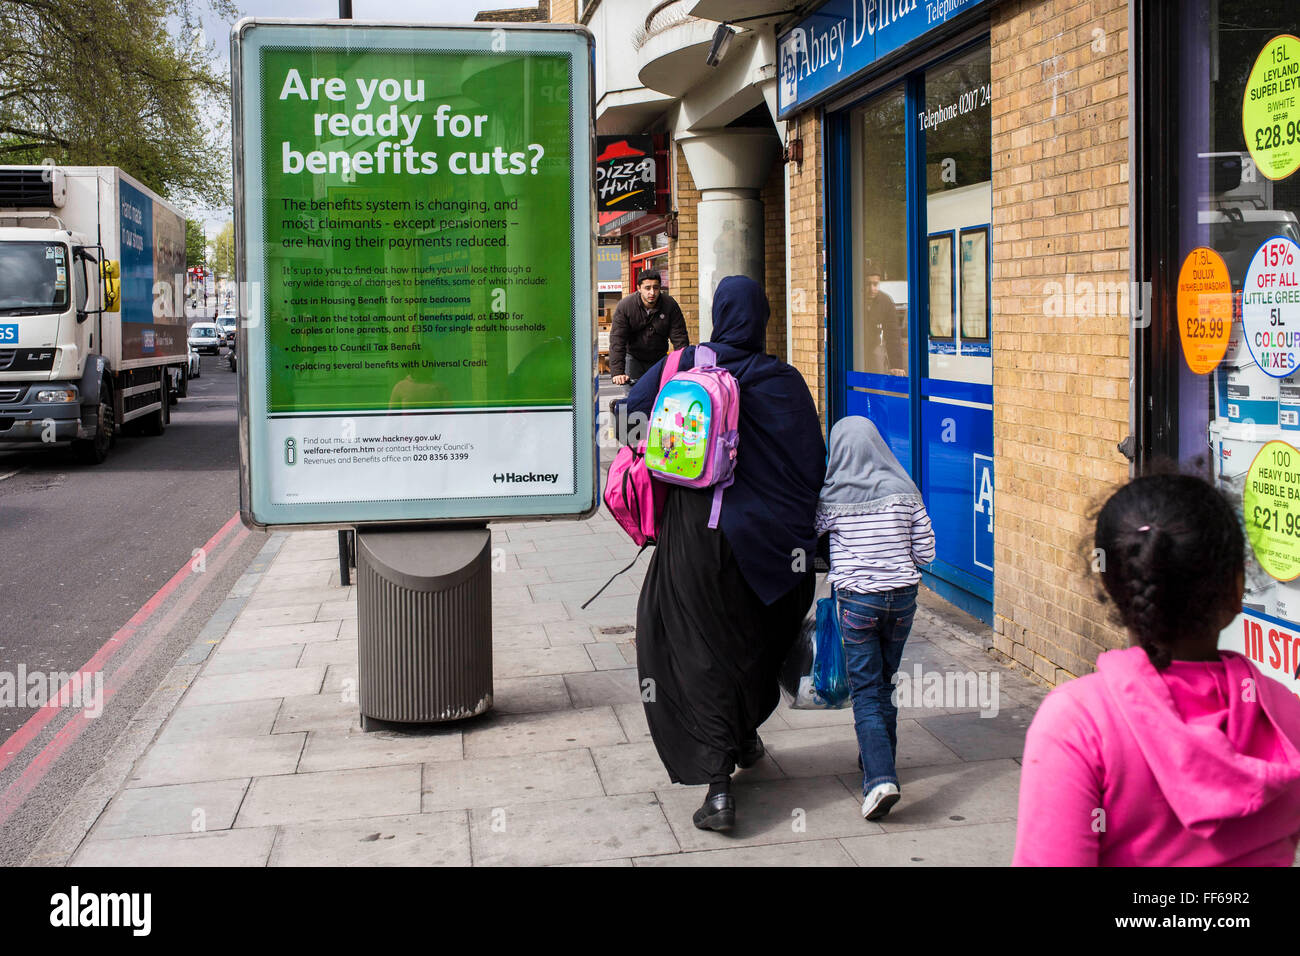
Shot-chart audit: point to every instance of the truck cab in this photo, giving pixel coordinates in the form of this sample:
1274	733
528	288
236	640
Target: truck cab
92	327
49	288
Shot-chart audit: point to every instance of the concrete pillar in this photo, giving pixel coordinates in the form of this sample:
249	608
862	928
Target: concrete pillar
729	166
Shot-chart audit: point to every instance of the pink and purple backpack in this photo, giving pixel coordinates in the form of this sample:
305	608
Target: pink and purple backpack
693	429
692	441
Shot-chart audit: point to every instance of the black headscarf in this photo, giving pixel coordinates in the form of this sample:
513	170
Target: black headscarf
768	514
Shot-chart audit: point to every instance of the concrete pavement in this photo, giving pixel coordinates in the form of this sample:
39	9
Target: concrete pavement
254	756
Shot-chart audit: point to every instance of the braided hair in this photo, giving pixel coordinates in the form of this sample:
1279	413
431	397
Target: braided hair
1173	552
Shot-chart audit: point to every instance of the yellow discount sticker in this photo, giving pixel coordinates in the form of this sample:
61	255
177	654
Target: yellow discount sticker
1271	509
1270	108
1204	309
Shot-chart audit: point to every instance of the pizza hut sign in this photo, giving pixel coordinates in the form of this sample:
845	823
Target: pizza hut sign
625	173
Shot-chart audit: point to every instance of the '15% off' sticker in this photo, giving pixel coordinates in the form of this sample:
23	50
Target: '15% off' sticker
1271	506
1270	306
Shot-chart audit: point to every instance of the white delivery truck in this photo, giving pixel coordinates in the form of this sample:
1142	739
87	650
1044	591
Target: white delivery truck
92	317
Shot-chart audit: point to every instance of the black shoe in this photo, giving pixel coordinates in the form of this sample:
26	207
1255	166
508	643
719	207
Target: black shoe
751	753
716	813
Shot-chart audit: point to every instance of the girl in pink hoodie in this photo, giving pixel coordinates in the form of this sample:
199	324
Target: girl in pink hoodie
1174	752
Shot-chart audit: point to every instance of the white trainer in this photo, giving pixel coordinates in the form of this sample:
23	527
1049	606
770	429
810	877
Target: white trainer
879	800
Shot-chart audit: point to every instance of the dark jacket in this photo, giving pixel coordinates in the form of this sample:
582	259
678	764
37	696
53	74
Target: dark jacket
644	333
768	515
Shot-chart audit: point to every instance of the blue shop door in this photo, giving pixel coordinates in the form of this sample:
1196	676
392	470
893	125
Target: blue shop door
956	378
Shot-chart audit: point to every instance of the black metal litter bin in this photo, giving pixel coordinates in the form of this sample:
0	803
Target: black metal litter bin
424	624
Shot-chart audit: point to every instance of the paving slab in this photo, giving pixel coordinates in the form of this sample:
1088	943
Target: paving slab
538	661
503	596
560	633
257	659
811	853
326	750
221	758
519	635
341	679
973	737
961	794
829	751
254	685
513	615
329	652
508	735
246	637
530	695
604	687
502	781
574	550
274	600
337	610
243	719
249	847
316	712
180	808
631	717
570	831
424	839
606	656
771	811
981	844
334	795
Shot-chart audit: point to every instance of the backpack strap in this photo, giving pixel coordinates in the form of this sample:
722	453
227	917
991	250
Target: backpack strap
705	356
671	365
614	575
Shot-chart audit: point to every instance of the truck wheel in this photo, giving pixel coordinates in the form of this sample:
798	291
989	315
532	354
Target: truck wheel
92	451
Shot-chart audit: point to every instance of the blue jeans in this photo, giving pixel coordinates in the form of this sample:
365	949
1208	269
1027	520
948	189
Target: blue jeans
874	628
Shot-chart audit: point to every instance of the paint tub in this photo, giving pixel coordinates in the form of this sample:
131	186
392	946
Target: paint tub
1246	394
1288	406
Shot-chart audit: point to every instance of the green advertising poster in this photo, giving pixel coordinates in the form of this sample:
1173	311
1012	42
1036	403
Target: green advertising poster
417	247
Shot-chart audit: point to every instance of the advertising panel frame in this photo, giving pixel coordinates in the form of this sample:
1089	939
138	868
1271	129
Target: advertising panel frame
584	500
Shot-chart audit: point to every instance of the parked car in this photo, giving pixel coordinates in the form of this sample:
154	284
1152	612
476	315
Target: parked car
226	322
196	364
205	337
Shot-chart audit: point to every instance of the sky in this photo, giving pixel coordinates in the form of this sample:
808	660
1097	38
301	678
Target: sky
415	11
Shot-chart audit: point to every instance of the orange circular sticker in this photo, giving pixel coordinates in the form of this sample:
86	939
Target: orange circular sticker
1204	309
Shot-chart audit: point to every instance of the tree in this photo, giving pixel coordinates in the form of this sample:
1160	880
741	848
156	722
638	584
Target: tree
196	252
103	82
223	252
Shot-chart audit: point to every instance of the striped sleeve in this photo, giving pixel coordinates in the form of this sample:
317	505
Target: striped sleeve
922	536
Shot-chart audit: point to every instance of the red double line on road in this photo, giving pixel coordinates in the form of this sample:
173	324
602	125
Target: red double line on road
18	791
32	729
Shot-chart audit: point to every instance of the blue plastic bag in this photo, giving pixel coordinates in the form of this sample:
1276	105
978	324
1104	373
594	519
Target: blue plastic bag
814	675
830	670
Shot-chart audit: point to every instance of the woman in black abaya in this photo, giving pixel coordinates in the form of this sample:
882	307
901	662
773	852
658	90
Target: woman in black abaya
720	608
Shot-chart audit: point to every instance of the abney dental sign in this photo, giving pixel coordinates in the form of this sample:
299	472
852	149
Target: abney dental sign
845	36
415	237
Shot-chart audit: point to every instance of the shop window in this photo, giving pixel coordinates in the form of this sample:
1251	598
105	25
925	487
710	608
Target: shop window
1220	230
879	257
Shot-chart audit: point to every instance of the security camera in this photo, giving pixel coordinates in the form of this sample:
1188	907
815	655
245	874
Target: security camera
721	40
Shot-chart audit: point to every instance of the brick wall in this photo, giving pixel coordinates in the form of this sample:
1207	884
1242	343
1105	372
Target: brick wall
1061	396
773	197
562	11
683	252
807	285
538	14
